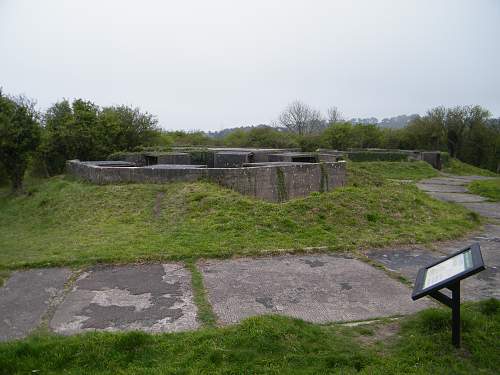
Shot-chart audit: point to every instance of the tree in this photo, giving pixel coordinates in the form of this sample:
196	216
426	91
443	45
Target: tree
340	136
334	116
83	130
301	119
19	137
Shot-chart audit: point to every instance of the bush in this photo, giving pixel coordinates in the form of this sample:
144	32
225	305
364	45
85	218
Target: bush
376	156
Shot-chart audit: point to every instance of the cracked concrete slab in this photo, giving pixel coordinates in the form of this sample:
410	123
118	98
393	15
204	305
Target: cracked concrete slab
153	298
485	284
315	288
25	299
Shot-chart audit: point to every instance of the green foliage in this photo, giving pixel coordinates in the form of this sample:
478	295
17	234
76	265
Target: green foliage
344	135
260	137
273	345
185	138
455	166
486	188
205	313
19	137
376	156
4	179
83	130
411	170
67	222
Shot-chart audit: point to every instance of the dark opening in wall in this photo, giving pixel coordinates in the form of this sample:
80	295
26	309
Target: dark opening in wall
151	160
304	159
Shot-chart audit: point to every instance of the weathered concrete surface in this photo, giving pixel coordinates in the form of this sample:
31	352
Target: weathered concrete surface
319	288
457	197
273	183
486	284
152	298
486	209
26	298
441	188
452	181
444	188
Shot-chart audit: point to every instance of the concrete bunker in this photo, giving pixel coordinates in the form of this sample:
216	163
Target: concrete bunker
271	174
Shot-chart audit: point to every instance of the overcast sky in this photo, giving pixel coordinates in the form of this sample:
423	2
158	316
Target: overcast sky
221	63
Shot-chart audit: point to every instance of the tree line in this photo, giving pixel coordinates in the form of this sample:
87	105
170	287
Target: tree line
80	129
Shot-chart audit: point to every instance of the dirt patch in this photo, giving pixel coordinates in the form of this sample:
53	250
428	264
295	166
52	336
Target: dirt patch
383	332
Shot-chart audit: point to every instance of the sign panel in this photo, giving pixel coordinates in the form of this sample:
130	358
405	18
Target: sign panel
448	271
448	268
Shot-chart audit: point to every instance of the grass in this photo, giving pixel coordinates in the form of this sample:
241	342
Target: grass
486	188
456	167
205	313
415	171
66	222
273	345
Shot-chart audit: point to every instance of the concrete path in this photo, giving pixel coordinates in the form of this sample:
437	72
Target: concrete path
153	298
407	261
26	297
315	288
454	189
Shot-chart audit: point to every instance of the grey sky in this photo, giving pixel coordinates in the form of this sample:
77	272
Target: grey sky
224	63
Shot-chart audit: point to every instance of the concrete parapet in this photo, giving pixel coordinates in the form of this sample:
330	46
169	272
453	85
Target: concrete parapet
275	182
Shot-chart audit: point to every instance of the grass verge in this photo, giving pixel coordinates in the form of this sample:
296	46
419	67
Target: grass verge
456	167
205	313
486	188
416	170
274	345
65	222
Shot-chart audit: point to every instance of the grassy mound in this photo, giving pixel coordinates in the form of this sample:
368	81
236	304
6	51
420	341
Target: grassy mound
486	188
69	222
274	345
415	171
455	166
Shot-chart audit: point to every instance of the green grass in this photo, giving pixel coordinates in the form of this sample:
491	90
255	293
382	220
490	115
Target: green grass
65	222
486	188
205	313
455	166
273	345
416	170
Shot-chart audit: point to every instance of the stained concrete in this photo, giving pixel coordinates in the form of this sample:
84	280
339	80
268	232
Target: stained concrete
25	299
486	284
152	298
316	288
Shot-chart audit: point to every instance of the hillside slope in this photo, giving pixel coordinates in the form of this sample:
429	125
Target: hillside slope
68	222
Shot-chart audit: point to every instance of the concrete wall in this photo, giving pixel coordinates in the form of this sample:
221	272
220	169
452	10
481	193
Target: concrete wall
179	158
232	159
273	183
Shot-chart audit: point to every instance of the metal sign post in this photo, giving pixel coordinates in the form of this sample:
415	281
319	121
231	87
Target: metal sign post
447	273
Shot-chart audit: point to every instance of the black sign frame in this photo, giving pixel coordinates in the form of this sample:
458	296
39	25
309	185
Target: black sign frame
477	266
452	283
